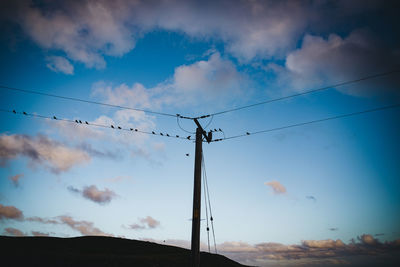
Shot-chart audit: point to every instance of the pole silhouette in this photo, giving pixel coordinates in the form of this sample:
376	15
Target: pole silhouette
197	200
195	260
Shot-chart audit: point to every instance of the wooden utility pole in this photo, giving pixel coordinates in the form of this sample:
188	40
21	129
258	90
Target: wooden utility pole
195	260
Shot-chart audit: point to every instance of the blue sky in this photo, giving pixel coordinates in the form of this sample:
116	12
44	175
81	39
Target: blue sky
330	185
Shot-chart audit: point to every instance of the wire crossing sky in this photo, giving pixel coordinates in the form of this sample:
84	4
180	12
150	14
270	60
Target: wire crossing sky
92	150
309	91
206	116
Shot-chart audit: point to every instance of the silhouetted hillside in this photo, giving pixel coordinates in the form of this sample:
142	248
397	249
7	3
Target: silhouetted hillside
98	251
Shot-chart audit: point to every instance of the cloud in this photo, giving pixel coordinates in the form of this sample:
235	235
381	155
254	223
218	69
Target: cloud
15	179
311	198
60	64
212	79
92	193
321	62
145	223
123	95
83	30
308	253
84	227
97	153
37	233
208	78
10	212
277	187
124	118
42	220
312	252
368	240
13	232
86	31
41	150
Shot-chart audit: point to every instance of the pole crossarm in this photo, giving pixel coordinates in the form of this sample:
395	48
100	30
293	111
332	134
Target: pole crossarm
208	137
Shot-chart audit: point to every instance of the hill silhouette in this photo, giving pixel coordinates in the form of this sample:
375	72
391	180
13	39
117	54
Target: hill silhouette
99	251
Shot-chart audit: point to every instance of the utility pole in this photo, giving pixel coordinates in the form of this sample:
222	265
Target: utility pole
195	260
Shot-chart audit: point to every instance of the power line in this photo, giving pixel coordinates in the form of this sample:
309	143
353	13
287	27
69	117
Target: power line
86	123
183	129
310	122
205	204
207	198
85	101
308	92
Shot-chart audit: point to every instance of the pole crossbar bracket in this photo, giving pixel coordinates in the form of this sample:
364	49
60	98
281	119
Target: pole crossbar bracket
208	136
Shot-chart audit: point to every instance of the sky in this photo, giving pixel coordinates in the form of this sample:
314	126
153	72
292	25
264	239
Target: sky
321	194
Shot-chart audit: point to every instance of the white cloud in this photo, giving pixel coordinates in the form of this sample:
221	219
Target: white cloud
41	150
215	80
60	64
86	31
123	95
277	187
83	30
207	79
320	62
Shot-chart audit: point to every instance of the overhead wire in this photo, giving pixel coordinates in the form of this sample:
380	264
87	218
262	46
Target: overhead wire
308	92
310	122
209	202
209	123
85	101
86	123
177	121
205	202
